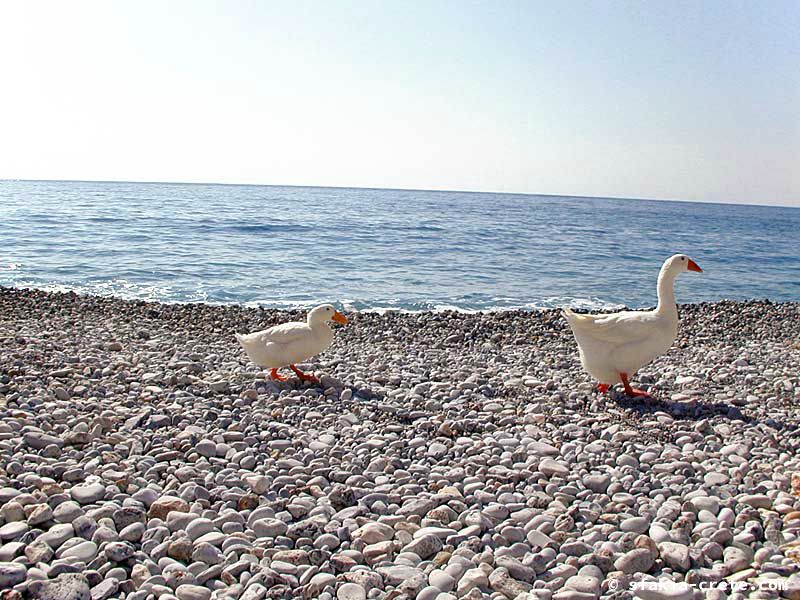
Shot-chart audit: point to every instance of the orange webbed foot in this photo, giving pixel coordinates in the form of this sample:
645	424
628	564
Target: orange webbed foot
303	376
277	376
603	387
631	391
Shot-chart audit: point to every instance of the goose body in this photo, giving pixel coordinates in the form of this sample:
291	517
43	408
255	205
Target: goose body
290	343
614	346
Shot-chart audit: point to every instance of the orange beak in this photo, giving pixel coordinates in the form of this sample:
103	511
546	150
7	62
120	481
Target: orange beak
694	267
339	318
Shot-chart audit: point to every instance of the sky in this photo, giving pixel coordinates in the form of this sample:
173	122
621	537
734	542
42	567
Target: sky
694	100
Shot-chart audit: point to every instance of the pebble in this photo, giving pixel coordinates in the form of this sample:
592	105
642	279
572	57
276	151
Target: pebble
105	589
351	591
635	525
188	591
119	551
11	574
597	483
675	556
551	468
88	493
68	586
756	500
634	561
161	507
83	551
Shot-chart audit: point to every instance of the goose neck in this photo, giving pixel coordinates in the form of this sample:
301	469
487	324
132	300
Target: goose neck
666	293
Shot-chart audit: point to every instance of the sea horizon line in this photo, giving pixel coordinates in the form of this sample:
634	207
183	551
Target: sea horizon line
396	189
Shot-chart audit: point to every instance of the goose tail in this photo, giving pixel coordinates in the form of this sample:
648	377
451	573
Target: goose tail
576	320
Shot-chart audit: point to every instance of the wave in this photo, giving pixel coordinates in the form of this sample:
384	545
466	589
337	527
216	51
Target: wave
130	290
279	227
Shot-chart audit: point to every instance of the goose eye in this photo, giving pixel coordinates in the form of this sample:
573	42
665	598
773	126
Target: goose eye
683	258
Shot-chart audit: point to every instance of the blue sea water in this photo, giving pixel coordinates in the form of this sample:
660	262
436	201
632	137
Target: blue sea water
379	249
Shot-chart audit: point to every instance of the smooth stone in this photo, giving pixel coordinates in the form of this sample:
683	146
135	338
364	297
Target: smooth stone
755	500
189	591
516	568
501	581
430	593
675	556
13	530
737	559
597	483
199	527
106	588
397	574
552	468
40	513
7	494
441	580
319	582
84	551
635	525
634	561
583	583
119	551
472	578
709	503
373	533
11	574
40	441
542	449
351	591
9	551
206	448
88	493
424	547
269	528
67	512
208	554
57	535
161	507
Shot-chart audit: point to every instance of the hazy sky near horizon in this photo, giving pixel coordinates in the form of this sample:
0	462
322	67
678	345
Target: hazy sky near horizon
695	100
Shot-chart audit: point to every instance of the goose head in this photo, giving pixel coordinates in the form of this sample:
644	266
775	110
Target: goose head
325	313
680	263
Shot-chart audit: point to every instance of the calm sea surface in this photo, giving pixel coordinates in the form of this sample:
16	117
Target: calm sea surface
374	249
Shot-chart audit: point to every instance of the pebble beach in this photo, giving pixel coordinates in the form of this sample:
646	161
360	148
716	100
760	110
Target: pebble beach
443	456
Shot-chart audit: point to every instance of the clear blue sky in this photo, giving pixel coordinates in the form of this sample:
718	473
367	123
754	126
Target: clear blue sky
691	100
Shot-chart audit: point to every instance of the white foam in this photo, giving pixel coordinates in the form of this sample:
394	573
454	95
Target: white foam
128	290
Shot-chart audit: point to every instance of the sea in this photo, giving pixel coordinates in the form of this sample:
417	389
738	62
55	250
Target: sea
383	249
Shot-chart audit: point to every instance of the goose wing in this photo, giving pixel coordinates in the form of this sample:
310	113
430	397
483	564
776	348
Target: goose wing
617	328
284	333
279	334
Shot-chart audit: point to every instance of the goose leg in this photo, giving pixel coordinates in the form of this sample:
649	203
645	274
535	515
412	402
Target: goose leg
629	390
603	387
303	376
277	376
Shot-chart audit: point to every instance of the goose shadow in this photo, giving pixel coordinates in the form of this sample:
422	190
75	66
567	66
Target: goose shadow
703	410
694	411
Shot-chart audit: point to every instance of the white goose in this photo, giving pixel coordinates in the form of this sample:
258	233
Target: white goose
614	346
289	343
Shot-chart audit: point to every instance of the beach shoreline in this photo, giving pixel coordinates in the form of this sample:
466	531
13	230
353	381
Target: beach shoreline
464	452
